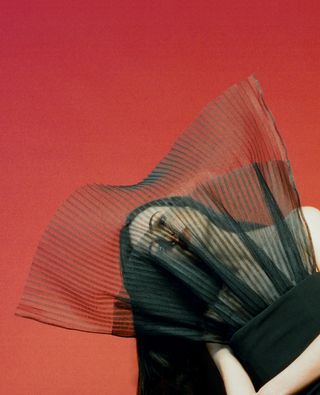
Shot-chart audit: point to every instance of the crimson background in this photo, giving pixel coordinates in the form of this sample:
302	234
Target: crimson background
97	91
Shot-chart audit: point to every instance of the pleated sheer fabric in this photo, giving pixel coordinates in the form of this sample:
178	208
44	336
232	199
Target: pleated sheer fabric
210	238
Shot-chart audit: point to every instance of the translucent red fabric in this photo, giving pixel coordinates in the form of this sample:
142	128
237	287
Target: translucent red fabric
210	238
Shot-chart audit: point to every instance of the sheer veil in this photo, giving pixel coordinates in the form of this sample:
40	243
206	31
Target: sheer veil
213	235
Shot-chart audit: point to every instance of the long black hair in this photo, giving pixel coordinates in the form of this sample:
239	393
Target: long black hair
176	366
172	365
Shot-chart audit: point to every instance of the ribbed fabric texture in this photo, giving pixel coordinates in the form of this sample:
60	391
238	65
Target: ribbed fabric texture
210	238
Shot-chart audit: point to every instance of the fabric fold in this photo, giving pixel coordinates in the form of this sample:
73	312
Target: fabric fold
210	238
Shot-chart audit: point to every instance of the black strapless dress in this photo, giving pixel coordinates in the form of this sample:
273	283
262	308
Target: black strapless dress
280	333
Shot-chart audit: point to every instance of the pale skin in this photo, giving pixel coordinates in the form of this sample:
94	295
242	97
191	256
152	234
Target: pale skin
303	370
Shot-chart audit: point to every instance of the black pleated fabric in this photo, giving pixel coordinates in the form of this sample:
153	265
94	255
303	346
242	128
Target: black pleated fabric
209	239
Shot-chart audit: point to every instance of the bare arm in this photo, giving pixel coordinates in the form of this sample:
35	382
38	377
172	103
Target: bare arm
236	379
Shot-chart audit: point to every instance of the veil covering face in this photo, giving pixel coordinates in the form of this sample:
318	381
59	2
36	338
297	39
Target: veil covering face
211	237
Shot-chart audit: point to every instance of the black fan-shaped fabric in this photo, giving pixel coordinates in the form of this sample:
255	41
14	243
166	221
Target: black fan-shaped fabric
208	240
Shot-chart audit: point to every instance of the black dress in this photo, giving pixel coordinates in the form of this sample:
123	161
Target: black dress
280	333
229	257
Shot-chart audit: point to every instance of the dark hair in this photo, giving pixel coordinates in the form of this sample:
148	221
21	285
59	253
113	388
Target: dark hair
175	366
171	365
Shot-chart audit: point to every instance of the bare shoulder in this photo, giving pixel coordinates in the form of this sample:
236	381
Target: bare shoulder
312	217
219	352
311	213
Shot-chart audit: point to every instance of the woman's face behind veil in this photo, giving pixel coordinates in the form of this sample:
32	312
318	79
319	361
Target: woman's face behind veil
178	226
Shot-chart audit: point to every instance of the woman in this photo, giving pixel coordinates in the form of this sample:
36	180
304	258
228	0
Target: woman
233	254
165	221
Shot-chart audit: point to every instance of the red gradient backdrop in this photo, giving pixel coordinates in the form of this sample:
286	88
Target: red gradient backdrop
97	91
